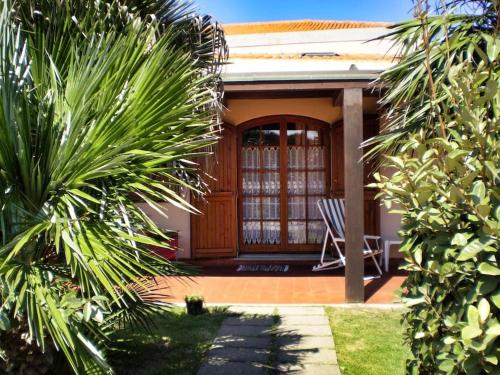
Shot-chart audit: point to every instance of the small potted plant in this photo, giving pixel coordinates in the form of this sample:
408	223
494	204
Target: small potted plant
194	304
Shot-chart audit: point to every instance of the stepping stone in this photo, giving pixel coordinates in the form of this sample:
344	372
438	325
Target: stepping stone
304	320
249	321
229	354
303	311
322	330
243	342
294	342
244	331
308	369
232	368
303	338
252	310
306	356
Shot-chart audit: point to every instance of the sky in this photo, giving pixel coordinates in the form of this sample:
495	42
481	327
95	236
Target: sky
234	11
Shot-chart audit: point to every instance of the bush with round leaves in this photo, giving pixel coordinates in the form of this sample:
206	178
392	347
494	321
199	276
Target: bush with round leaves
442	143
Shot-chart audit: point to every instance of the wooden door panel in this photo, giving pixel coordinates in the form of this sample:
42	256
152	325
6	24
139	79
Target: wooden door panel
372	209
214	231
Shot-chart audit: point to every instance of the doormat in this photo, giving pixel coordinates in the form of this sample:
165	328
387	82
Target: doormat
263	268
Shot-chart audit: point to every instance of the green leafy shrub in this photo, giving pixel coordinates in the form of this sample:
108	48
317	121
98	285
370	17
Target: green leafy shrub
442	143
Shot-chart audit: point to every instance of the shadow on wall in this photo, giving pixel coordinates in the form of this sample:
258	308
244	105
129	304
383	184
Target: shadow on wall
176	220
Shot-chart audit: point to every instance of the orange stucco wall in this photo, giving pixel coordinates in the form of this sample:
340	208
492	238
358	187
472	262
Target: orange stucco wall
241	110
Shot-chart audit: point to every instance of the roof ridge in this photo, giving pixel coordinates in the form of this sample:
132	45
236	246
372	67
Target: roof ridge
297	26
304	20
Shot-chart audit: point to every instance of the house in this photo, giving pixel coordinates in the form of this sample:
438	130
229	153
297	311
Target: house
299	102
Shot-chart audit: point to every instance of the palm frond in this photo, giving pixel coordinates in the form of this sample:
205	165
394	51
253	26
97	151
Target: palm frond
100	106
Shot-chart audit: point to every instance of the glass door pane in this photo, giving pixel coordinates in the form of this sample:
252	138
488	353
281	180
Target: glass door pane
306	183
297	183
316	184
261	189
268	208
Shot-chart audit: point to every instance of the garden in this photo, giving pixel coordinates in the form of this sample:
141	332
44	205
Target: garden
107	105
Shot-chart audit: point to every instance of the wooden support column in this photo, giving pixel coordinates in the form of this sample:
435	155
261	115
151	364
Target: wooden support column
354	195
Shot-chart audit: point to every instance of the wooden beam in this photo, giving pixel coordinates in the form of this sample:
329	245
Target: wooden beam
281	94
354	195
294	86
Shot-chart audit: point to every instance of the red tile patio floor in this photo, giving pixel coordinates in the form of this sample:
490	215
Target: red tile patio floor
223	285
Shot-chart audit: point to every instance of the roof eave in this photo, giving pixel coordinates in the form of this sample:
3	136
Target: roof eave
340	75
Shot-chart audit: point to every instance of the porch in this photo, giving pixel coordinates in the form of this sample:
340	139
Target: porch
295	116
220	283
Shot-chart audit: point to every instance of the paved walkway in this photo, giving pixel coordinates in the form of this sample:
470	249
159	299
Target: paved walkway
269	340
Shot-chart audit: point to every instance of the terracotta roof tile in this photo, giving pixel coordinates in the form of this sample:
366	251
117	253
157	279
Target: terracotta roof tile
295	26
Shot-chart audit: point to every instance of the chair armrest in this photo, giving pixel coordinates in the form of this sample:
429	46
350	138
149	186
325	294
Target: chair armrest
370	237
339	239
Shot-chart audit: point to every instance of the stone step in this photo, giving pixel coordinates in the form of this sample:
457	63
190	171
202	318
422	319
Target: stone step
294	342
249	321
232	368
252	310
304	320
244	331
323	330
308	369
304	356
303	338
229	354
243	341
303	311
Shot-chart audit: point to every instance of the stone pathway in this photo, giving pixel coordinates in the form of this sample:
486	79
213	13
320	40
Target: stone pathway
273	340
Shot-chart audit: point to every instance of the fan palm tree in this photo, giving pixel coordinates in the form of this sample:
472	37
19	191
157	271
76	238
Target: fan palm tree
103	105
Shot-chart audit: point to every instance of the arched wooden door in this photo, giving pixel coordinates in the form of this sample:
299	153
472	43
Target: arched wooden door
214	232
284	169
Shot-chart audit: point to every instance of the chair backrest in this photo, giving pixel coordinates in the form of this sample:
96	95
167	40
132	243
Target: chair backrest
333	211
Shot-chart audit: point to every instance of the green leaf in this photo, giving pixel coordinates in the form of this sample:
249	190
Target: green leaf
418	255
413	301
473	316
484	309
472	249
447	365
493	359
495	298
494	330
87	311
488	269
5	322
478	192
461	239
484	210
471	332
420	335
448	340
492	47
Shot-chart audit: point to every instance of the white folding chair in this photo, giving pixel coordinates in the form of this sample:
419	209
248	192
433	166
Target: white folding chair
333	213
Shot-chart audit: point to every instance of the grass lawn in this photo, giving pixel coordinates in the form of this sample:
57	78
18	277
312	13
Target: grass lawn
177	345
368	341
